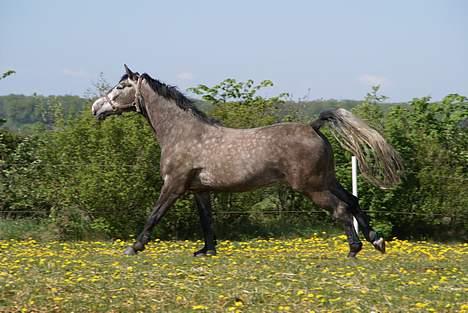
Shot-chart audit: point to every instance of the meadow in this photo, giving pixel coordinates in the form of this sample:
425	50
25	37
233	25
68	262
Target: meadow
264	275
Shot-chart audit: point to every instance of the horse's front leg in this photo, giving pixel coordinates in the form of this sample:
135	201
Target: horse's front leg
203	202
169	194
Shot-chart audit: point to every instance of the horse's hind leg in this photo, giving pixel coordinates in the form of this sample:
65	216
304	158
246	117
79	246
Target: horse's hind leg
363	220
203	202
327	199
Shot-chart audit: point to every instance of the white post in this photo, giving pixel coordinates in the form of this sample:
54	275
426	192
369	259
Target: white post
354	181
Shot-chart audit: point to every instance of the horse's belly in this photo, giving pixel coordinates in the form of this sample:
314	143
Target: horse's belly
208	178
241	180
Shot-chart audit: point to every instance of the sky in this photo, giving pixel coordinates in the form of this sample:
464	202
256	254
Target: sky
310	49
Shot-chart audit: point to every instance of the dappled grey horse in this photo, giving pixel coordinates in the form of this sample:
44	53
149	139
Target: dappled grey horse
198	155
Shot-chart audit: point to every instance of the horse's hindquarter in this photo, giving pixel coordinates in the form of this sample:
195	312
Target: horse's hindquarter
243	159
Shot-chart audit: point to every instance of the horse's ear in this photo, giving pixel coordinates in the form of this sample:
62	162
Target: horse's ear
129	72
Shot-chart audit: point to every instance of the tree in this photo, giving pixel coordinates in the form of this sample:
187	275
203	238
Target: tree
100	87
237	104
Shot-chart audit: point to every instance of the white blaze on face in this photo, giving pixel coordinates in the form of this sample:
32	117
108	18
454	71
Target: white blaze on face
113	93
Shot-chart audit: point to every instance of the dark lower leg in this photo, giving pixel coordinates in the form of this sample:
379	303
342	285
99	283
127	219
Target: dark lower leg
203	202
164	202
328	199
377	241
361	217
364	223
355	244
369	233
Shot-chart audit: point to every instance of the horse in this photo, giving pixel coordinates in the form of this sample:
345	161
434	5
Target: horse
200	156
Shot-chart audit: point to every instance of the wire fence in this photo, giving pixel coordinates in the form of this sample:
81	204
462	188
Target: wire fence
271	212
141	165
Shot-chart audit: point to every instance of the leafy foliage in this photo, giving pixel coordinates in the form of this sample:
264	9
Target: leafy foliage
93	178
432	141
87	175
238	104
32	113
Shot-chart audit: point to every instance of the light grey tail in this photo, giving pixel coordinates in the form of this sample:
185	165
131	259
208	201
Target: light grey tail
379	163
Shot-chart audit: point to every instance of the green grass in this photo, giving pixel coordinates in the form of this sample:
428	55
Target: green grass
290	275
25	228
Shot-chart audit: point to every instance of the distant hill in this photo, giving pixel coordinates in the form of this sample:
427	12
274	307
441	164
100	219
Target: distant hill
23	112
27	112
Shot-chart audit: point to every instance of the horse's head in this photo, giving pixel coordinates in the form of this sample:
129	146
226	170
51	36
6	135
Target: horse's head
121	98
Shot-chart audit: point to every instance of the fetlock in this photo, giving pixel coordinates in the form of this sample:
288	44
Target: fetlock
373	236
379	244
205	252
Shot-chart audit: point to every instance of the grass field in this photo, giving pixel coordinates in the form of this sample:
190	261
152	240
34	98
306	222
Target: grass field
294	275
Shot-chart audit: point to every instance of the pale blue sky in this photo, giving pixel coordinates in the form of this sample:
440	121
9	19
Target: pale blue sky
338	49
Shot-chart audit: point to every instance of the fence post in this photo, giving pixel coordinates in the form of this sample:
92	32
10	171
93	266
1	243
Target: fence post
354	182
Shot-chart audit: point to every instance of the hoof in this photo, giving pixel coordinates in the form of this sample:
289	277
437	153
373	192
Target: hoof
354	248
379	244
210	252
130	251
204	252
352	254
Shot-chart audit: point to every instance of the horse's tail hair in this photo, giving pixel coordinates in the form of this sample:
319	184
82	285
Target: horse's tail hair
378	161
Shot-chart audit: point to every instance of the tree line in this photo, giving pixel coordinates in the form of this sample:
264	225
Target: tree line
88	179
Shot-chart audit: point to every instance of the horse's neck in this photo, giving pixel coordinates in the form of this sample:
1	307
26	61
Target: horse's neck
170	123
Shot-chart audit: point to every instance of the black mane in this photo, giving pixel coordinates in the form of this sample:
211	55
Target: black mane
171	93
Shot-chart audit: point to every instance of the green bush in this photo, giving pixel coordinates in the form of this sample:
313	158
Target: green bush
431	200
95	179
